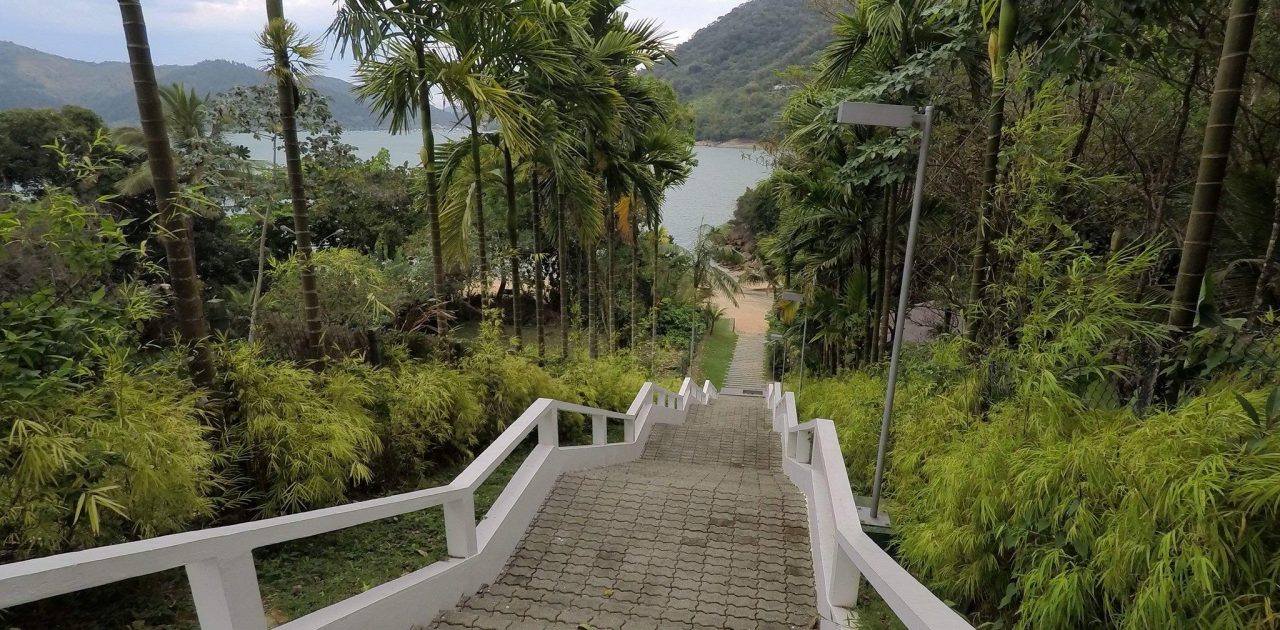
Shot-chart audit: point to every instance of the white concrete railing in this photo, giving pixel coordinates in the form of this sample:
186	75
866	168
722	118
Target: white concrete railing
219	561
842	552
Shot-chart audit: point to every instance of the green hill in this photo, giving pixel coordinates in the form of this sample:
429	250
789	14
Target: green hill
31	78
728	70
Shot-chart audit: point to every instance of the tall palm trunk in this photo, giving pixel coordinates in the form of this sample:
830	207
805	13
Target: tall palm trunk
538	297
635	273
513	240
1268	263
1214	154
886	276
593	349
562	252
478	192
433	185
999	46
293	166
653	294
610	228
175	229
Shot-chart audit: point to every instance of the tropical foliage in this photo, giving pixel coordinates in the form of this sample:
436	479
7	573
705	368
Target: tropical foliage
1085	440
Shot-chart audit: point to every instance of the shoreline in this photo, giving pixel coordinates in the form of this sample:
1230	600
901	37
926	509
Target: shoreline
735	143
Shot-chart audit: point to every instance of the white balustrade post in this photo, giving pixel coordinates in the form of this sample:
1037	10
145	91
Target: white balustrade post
599	430
804	447
460	526
548	434
629	429
226	593
844	581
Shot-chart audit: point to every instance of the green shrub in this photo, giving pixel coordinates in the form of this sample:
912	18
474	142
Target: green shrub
355	292
507	383
609	382
433	415
305	435
122	457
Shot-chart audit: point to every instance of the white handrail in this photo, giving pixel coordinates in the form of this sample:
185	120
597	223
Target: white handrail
842	551
219	561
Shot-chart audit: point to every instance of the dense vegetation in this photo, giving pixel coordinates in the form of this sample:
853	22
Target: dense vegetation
192	338
1089	440
733	72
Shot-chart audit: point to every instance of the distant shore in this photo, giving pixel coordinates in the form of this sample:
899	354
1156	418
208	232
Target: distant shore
735	143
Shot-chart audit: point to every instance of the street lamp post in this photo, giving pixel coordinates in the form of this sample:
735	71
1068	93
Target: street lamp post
897	116
798	299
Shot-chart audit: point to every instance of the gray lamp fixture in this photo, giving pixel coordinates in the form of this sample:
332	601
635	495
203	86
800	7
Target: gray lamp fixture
898	117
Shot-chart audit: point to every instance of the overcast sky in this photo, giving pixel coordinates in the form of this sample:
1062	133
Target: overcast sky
187	31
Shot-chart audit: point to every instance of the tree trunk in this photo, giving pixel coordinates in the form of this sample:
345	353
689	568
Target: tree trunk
538	297
635	272
610	222
262	272
886	274
1171	166
998	49
562	260
513	238
1268	260
653	294
175	229
1214	154
433	187
593	349
297	193
478	192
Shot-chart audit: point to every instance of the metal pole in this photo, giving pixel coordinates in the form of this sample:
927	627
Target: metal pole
782	378
917	198
804	341
692	332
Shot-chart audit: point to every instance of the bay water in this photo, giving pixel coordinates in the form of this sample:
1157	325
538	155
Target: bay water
707	198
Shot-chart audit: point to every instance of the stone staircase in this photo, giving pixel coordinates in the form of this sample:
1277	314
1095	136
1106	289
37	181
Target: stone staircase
746	371
703	531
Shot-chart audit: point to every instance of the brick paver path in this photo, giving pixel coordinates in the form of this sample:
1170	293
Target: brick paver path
704	531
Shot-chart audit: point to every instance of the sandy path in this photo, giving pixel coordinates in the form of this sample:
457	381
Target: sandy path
751	311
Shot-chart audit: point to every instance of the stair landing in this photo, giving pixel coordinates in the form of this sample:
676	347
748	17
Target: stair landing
704	531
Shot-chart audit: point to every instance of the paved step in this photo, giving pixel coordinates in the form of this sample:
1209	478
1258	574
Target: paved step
703	531
746	370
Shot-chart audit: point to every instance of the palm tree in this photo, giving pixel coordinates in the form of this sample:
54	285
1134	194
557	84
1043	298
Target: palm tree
392	41
1214	154
174	227
292	59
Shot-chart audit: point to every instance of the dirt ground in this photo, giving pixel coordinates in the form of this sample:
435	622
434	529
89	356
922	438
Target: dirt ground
749	315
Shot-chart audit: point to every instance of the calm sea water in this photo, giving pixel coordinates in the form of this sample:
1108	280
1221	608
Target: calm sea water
707	198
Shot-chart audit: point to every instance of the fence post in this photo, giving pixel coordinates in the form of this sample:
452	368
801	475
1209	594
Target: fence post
460	526
804	447
844	581
548	434
599	430
226	593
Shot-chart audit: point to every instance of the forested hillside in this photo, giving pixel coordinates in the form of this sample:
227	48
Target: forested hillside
728	71
31	78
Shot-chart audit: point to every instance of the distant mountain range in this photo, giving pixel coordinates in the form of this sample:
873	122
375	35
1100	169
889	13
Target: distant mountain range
31	78
728	70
